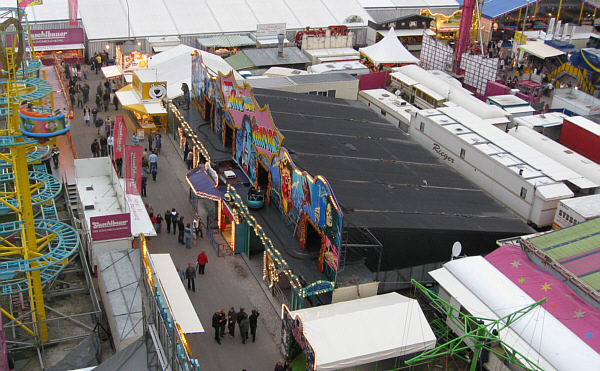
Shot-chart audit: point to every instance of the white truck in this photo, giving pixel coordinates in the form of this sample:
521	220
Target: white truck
572	211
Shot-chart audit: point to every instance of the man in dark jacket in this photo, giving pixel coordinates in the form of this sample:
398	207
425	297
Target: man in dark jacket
232	318
241	316
190	274
181	227
216	323
254	323
168	220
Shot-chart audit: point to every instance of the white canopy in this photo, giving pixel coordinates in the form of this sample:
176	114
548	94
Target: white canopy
362	331
540	49
484	291
108	19
388	51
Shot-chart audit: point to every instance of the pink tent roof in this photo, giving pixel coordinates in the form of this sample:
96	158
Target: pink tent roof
571	310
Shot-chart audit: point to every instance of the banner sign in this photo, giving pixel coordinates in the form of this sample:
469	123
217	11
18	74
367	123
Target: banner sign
255	123
133	169
24	3
72	12
120	137
110	227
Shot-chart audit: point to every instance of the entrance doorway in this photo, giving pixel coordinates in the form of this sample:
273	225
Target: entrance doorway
228	136
262	176
313	238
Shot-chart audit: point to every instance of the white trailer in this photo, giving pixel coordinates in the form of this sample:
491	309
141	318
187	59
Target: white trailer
576	210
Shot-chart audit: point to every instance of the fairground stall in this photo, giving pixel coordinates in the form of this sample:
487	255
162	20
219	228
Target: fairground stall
144	99
66	44
121	73
389	52
367	334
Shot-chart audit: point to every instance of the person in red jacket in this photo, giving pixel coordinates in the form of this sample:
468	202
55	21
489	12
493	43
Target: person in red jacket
202	261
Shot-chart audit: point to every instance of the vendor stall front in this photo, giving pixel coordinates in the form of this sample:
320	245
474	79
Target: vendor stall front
361	332
144	99
65	43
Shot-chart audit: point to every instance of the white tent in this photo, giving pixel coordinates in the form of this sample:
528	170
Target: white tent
388	51
484	291
362	331
175	67
540	49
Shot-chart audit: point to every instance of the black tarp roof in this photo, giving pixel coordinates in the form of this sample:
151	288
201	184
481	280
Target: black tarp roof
386	182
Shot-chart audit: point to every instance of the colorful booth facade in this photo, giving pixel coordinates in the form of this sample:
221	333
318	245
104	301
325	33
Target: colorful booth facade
256	144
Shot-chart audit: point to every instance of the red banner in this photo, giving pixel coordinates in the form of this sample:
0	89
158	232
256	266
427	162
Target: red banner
133	169
120	136
109	227
72	12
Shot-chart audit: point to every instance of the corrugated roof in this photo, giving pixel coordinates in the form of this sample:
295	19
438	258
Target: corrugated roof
239	61
229	41
270	56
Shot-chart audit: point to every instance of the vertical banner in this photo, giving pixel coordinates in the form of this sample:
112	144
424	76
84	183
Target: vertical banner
73	12
120	137
133	169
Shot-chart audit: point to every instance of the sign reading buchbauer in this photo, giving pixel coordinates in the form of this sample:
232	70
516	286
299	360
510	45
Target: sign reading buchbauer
110	227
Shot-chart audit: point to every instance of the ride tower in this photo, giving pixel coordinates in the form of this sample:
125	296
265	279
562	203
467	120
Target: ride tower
34	245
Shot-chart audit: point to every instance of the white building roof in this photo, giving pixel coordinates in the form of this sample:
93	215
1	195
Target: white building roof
538	168
107	19
544	120
393	324
586	206
382	97
484	291
558	152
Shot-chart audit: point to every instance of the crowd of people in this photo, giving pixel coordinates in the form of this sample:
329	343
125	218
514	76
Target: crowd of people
246	323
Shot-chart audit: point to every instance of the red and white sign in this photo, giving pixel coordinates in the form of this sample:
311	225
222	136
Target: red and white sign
133	169
120	137
110	227
72	12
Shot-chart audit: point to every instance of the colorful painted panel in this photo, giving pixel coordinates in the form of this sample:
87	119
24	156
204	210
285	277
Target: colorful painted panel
256	122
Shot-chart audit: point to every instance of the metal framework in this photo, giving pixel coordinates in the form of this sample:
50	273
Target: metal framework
478	330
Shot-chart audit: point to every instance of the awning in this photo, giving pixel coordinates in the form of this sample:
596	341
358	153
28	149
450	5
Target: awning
540	49
408	32
131	101
203	185
140	221
227	41
110	72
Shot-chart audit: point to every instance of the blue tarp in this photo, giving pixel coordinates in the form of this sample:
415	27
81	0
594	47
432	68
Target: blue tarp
496	8
562	46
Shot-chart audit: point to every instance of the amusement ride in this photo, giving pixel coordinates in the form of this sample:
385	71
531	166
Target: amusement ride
34	245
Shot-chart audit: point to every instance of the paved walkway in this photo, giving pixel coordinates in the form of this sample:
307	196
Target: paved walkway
228	280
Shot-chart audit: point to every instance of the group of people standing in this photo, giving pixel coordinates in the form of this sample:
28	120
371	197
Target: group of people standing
188	231
245	323
190	272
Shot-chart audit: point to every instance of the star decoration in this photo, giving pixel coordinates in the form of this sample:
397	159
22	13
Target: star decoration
522	280
515	263
546	286
589	335
579	314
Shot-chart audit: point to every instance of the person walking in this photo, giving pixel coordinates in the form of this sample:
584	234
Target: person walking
99	89
241	315
197	228
103	146
244	327
223	322
280	366
85	90
55	154
181	273
144	183
202	261
95	148
159	220
253	323
158	143
190	160
188	236
231	319
115	100
110	141
98	102
190	274
153	160
79	98
106	100
135	140
168	220
216	323
85	70
94	115
119	163
86	115
174	217
181	227
150	141
154	171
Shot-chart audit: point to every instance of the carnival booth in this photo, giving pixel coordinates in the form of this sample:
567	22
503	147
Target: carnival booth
121	72
144	99
389	51
372	333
